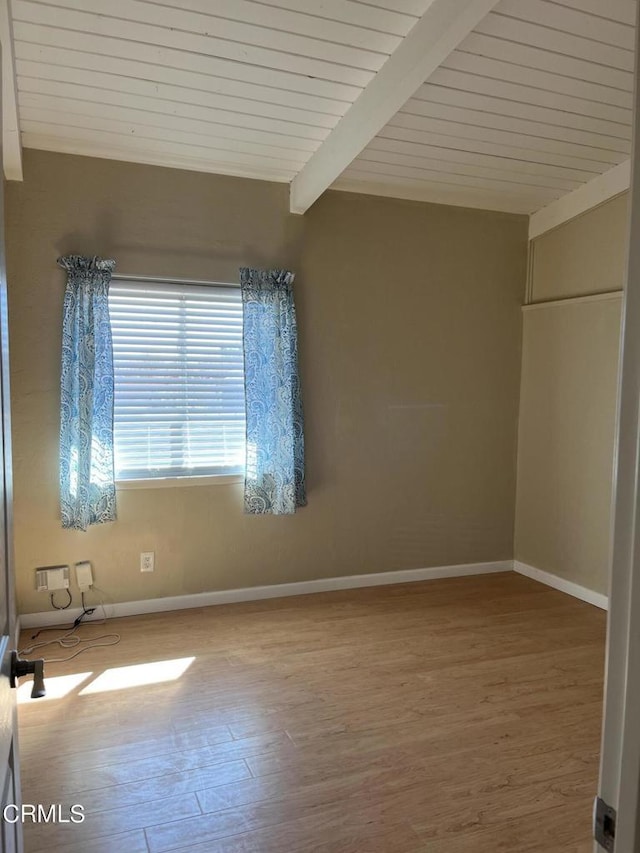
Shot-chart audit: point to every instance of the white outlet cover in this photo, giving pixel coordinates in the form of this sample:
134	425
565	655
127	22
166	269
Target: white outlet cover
147	561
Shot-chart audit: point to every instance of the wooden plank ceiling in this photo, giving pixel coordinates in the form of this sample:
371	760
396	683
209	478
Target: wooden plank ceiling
250	90
533	103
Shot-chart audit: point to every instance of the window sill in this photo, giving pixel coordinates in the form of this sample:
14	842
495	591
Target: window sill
173	482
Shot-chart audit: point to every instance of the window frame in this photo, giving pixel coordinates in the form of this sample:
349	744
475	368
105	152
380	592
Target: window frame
179	482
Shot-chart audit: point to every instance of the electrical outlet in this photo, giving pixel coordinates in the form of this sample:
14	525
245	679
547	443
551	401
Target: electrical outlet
147	561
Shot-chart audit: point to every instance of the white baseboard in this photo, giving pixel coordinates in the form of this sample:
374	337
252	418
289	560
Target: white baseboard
257	593
588	595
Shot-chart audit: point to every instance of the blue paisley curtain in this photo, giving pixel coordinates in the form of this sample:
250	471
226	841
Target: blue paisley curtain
274	478
87	488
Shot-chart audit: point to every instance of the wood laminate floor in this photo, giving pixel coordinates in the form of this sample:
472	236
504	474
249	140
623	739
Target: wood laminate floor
450	716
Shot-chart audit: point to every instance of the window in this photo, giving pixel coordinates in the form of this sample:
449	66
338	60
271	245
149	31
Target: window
179	389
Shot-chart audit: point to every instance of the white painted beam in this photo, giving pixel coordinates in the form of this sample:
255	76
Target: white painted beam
11	145
438	32
605	186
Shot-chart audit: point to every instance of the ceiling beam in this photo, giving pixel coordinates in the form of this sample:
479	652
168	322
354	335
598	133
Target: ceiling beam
438	32
11	145
594	192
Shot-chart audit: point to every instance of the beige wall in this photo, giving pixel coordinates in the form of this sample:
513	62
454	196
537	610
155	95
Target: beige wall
567	423
409	318
568	399
585	255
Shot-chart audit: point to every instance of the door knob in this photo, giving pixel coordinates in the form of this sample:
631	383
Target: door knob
21	667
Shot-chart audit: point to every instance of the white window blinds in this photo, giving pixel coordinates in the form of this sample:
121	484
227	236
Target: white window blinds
179	389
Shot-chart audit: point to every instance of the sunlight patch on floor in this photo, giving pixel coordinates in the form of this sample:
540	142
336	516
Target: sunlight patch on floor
57	686
138	675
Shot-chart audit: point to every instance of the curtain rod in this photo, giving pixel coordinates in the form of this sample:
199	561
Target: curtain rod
150	279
